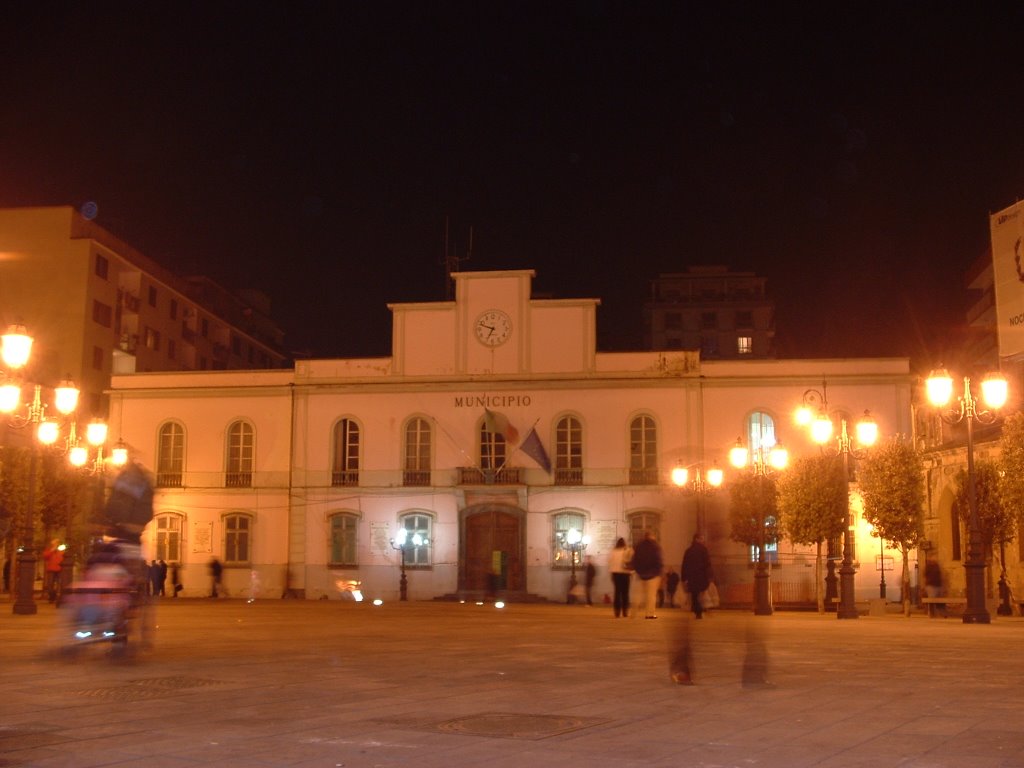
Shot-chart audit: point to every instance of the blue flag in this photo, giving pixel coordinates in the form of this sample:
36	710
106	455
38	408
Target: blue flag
533	448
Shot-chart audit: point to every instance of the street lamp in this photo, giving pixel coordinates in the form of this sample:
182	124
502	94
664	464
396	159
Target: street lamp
766	459
867	435
939	388
400	542
575	544
703	483
15	349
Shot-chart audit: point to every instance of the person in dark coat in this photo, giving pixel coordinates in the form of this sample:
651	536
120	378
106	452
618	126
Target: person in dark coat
216	570
649	567
696	572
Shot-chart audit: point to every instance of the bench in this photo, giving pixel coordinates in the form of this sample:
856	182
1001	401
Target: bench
947	600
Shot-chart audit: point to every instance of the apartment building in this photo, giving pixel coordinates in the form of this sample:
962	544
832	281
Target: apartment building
97	307
726	315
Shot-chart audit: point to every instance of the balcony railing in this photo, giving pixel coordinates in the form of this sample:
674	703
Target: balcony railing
238	480
566	476
345	477
416	477
168	480
476	476
643	476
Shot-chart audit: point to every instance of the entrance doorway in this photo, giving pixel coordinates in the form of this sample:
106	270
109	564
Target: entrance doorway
492	550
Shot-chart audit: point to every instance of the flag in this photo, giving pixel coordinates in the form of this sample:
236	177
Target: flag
498	424
533	448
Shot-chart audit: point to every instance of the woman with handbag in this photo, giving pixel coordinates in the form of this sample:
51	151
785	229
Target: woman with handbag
620	566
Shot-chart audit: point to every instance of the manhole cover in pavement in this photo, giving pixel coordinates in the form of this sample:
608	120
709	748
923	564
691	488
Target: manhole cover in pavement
149	688
509	725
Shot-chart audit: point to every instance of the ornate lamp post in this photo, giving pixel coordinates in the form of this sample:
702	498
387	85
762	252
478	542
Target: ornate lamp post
575	544
766	459
400	542
15	350
867	435
939	388
702	485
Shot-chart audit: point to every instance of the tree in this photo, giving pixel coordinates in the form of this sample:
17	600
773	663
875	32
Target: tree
754	509
892	485
1011	480
813	500
996	520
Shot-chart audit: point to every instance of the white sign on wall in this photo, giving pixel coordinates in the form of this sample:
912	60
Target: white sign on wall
202	538
380	538
1007	232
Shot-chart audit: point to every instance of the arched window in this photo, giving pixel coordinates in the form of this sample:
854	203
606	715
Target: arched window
568	451
417	452
345	453
170	455
643	521
643	451
343	539
561	524
237	539
760	431
241	444
492	450
167	546
416	523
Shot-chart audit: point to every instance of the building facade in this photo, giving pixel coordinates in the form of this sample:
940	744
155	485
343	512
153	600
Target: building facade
494	427
97	307
726	315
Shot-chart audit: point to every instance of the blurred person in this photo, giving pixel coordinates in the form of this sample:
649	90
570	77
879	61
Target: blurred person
53	558
649	566
589	574
620	566
696	572
671	585
216	573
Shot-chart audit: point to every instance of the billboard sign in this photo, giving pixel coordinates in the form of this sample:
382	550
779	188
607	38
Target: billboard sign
1007	233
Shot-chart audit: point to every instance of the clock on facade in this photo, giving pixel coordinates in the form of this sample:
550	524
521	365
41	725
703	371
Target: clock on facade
493	327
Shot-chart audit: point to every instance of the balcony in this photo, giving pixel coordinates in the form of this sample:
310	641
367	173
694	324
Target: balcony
416	477
129	301
476	476
238	480
347	477
643	476
569	476
168	480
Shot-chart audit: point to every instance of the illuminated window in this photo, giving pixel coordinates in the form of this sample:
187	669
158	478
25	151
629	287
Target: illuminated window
237	539
416	470
170	457
345	450
568	451
643	451
241	449
416	523
760	431
562	523
343	539
744	345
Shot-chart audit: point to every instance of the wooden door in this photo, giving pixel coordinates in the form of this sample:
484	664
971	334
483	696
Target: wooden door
493	547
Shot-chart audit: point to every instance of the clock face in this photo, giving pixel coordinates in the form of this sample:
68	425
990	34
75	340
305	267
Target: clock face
493	327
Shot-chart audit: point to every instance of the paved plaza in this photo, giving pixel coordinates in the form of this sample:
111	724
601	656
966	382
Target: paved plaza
331	683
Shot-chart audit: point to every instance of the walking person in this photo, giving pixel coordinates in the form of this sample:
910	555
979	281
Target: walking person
175	578
216	571
589	574
649	566
671	585
696	572
620	567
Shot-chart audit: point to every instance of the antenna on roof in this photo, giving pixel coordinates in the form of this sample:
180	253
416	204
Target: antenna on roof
451	260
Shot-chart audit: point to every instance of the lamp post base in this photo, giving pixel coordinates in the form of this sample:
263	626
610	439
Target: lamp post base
25	603
976	611
762	586
847	605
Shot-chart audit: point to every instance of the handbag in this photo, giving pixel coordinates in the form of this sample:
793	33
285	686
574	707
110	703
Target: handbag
709	597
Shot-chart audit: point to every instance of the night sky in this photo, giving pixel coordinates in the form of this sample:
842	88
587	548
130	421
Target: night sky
850	153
